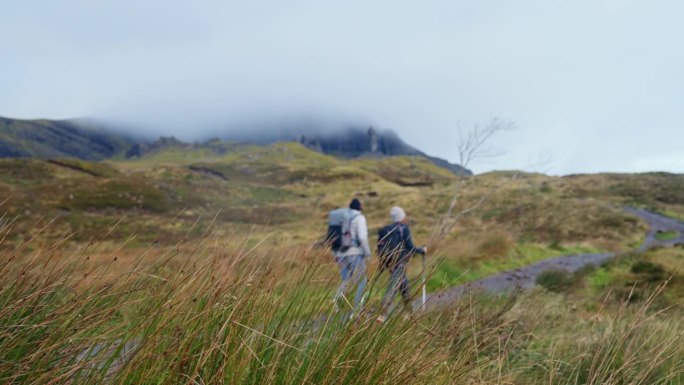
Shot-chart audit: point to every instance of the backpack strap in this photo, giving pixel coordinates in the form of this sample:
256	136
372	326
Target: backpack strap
351	221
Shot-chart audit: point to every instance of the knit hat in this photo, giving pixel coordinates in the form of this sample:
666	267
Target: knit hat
397	214
355	204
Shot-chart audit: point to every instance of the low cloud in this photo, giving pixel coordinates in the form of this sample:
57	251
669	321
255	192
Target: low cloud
577	77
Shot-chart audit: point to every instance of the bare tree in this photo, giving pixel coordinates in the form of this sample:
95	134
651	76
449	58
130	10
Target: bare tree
472	147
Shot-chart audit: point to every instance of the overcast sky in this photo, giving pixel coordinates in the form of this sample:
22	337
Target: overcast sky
598	85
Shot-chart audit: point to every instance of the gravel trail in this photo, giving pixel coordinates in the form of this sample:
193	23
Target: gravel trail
525	277
658	223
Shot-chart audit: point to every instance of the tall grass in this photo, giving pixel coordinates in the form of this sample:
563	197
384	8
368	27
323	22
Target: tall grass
630	344
201	313
208	312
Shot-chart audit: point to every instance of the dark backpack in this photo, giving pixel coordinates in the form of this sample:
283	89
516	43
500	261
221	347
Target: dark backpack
339	229
390	243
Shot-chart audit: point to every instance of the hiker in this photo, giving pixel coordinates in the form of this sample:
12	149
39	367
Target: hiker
351	251
395	248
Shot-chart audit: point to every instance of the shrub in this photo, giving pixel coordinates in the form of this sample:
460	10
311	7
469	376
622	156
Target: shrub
555	245
666	235
495	245
600	278
555	280
649	271
130	193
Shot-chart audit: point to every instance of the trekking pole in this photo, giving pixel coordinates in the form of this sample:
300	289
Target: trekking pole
424	290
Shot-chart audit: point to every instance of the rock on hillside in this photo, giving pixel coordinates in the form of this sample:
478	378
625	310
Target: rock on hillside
353	143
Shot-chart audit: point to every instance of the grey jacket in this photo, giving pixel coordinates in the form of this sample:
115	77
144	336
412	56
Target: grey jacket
359	232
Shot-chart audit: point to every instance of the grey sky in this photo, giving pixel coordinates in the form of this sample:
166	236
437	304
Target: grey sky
596	84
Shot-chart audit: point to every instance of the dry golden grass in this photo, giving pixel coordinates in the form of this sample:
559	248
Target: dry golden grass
238	309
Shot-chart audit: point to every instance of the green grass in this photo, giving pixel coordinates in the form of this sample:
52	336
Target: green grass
176	155
24	172
666	235
116	194
600	278
451	271
96	169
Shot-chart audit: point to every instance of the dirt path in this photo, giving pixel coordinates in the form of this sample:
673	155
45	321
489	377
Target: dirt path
526	277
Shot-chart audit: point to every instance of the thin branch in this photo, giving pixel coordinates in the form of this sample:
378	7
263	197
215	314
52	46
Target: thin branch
472	147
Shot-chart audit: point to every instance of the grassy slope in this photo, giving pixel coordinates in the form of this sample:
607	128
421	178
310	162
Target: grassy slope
207	308
50	139
284	191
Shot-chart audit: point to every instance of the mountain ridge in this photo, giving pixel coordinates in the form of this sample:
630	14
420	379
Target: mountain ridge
86	139
45	138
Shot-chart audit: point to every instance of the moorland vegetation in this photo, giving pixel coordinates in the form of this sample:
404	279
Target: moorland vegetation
194	266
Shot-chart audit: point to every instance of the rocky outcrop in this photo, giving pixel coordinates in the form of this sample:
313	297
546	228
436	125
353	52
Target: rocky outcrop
354	143
141	149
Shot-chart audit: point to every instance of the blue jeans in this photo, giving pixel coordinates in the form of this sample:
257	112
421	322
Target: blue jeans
353	273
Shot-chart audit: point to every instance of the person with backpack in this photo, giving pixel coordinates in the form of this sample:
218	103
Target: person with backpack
395	249
348	234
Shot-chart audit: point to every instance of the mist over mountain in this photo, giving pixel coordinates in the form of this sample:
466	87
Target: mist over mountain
91	139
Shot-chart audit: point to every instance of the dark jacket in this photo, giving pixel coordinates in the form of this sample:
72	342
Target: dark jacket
395	244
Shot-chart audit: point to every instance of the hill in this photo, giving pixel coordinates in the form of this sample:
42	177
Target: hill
278	195
287	188
59	138
158	259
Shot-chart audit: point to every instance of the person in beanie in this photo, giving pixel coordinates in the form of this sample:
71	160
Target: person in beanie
395	248
352	261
